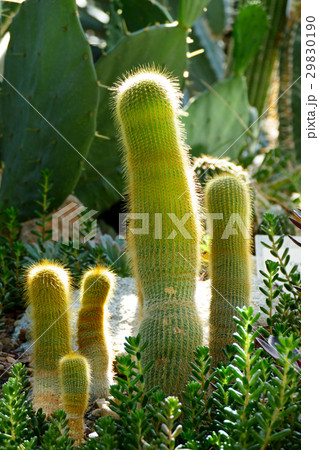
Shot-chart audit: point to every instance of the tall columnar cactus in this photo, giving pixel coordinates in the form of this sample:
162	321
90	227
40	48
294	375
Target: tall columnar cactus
165	256
74	375
228	204
48	295
93	338
289	109
260	70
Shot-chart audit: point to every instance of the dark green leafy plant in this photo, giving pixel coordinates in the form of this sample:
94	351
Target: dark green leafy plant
57	434
197	405
280	283
291	277
107	435
15	410
23	428
45	187
145	418
169	431
243	410
262	405
253	402
12	253
245	392
278	419
272	291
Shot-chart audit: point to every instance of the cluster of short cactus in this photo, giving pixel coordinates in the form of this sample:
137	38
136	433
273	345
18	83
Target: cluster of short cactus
62	377
165	257
165	263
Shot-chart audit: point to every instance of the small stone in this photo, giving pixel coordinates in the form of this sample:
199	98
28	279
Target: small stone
93	435
26	359
99	402
2	368
106	411
96	412
22	335
10	360
8	344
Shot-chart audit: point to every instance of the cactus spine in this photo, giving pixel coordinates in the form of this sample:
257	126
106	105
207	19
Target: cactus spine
74	374
230	259
48	295
93	337
165	258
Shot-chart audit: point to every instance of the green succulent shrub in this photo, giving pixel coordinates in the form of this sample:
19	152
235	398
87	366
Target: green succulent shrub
21	426
255	403
208	50
251	400
12	253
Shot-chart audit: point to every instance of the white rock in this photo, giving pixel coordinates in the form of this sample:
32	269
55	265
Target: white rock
123	311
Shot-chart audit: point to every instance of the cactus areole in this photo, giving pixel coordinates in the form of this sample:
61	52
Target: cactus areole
163	231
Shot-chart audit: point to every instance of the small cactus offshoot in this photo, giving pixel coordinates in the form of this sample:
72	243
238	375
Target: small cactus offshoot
74	375
48	295
228	204
94	339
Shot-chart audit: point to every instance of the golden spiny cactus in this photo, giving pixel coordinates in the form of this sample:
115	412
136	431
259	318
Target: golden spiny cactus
74	375
166	257
48	296
93	338
229	198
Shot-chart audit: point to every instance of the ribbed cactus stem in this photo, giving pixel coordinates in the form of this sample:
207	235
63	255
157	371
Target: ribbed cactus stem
165	256
260	71
288	136
48	295
94	339
228	204
74	375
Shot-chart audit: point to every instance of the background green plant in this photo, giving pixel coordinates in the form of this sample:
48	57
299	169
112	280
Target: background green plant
213	60
52	56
